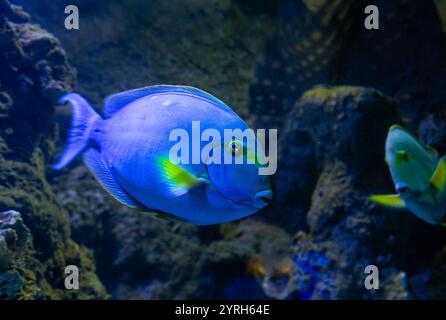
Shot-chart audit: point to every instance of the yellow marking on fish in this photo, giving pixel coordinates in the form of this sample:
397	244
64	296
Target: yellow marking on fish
388	200
178	179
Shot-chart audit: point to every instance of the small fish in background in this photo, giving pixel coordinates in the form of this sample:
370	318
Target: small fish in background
255	267
277	279
128	153
419	177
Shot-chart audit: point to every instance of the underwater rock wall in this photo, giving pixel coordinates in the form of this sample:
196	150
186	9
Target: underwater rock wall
36	240
302	51
316	239
346	127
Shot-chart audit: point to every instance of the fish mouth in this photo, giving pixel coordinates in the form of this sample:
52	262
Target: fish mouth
261	199
264	196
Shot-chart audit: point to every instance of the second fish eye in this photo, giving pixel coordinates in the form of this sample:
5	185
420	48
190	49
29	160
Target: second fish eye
235	147
401	188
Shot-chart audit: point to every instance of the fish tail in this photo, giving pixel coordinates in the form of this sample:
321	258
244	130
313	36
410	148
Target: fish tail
81	123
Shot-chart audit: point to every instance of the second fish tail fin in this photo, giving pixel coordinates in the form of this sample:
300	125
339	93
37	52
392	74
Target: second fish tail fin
83	119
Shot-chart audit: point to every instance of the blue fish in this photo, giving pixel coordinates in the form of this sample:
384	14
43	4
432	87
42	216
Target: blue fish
128	152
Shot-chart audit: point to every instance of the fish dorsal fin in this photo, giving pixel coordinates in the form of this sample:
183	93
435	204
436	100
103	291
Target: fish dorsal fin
103	174
432	152
388	200
438	179
117	101
178	180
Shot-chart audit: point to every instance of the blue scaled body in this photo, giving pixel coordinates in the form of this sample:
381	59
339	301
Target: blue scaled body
128	153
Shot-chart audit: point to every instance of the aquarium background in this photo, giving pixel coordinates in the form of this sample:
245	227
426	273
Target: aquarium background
306	67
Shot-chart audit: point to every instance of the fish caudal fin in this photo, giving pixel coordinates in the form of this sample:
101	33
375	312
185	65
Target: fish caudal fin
82	120
388	200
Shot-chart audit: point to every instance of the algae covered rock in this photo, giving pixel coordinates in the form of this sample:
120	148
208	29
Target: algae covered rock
345	129
34	72
14	236
328	125
16	250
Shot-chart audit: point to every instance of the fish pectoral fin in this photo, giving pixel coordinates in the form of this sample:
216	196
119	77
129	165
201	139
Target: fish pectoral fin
438	179
178	180
388	200
102	173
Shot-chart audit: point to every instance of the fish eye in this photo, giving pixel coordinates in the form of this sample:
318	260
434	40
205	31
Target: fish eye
235	147
401	188
402	156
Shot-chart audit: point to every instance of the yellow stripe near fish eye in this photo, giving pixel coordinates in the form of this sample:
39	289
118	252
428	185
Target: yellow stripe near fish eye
251	156
244	151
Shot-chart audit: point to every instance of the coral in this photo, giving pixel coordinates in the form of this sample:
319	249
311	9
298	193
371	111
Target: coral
16	250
